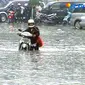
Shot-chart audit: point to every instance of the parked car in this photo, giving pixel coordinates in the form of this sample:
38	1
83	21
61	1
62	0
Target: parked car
78	16
4	9
56	7
3	2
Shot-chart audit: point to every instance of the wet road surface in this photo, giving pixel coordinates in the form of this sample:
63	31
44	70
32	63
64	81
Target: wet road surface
61	61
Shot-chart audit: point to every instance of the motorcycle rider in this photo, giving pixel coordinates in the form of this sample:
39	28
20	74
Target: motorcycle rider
11	13
67	17
35	32
11	8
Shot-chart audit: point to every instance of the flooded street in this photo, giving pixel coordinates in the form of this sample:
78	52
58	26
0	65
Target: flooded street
61	61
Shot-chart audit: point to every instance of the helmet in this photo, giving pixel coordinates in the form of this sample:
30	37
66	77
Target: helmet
26	4
31	23
19	4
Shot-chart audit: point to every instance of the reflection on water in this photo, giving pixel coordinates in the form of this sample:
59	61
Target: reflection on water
19	67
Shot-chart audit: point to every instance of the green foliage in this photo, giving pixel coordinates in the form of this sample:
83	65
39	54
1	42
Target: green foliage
34	2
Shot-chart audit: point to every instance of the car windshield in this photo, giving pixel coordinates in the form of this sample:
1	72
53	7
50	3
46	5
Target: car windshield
3	3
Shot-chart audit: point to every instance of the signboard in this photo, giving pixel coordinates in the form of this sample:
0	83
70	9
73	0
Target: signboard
70	0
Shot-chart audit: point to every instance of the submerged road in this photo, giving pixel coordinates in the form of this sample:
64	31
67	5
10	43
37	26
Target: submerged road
61	61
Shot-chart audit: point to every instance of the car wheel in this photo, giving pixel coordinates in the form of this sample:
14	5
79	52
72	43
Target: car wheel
3	18
77	25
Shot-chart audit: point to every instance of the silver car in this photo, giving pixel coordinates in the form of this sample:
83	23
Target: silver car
78	17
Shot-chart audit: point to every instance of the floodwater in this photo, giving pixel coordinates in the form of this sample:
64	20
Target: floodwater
61	61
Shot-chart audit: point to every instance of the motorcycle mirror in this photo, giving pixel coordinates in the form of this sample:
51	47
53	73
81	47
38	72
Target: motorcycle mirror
19	30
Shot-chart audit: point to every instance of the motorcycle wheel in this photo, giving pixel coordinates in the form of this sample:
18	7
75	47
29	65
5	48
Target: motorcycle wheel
24	48
64	22
20	46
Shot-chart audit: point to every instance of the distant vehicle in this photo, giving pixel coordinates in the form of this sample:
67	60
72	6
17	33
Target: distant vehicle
50	19
4	8
11	17
67	18
78	16
56	7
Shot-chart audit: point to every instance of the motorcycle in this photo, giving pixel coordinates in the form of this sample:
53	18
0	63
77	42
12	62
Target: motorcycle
11	16
67	18
24	43
47	19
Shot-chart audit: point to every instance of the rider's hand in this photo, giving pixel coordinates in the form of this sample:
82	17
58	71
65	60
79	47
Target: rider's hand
19	30
19	34
34	35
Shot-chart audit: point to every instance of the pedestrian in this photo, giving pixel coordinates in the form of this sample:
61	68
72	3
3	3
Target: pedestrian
38	10
19	12
26	13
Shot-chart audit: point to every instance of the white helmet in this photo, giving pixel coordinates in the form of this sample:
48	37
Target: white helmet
26	4
31	23
19	4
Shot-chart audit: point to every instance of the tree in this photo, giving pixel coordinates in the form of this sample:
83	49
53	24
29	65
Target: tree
34	2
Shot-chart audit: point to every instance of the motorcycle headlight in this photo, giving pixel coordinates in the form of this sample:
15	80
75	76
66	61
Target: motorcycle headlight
24	45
